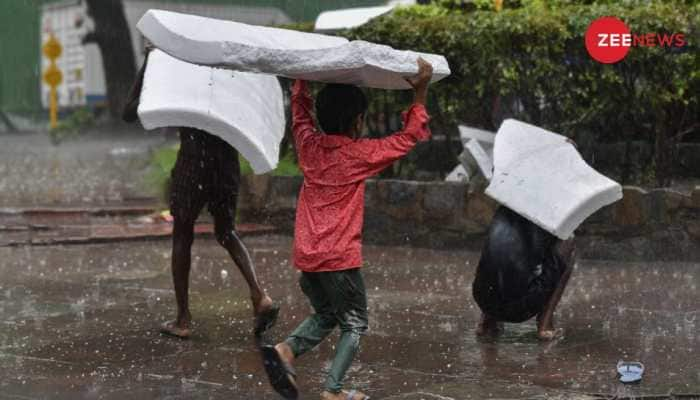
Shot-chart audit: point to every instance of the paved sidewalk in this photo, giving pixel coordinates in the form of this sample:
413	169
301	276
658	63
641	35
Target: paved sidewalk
107	223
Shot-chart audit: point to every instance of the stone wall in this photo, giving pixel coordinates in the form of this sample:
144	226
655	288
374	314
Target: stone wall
659	224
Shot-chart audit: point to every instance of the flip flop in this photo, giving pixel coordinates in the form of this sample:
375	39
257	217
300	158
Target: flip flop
280	373
630	372
266	320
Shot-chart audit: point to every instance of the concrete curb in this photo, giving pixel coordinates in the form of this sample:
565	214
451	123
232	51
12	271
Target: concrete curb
163	231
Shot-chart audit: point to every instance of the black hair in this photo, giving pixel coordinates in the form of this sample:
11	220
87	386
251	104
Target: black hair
337	107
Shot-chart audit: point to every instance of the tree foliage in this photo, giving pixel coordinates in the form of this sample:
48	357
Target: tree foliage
529	62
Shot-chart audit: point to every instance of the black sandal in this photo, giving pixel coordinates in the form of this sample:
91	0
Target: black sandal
280	373
266	320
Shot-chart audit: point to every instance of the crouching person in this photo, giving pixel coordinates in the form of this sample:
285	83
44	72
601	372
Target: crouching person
207	172
522	273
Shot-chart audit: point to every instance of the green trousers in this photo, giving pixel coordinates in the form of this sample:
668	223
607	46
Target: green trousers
338	299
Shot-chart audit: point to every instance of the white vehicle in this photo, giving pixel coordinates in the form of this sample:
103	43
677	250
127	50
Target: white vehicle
335	20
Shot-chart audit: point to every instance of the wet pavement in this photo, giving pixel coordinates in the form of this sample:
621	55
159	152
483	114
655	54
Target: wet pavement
107	165
81	321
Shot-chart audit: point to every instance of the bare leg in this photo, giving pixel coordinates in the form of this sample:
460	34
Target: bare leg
545	320
489	327
183	236
131	105
227	237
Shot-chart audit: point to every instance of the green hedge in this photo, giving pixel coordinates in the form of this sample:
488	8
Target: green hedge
530	63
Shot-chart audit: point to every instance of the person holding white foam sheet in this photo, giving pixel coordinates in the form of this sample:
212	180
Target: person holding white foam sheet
207	172
522	273
336	161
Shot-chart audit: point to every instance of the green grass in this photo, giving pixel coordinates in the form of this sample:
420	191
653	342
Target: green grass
158	177
287	166
163	161
72	125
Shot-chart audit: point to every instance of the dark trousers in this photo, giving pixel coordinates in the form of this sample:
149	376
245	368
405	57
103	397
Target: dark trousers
519	269
206	172
338	299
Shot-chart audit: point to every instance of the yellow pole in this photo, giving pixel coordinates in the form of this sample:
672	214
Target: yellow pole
53	76
53	108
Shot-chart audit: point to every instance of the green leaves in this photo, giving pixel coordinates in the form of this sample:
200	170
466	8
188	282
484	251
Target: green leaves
529	62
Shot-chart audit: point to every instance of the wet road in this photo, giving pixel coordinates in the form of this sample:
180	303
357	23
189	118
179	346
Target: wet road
81	322
100	167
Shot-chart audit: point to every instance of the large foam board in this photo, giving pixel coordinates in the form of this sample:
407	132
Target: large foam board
542	177
468	162
244	109
482	157
478	150
467	133
283	52
458	174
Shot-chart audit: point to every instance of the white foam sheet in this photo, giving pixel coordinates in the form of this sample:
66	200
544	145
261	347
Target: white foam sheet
458	174
466	133
283	52
541	176
469	163
348	18
244	109
482	157
478	149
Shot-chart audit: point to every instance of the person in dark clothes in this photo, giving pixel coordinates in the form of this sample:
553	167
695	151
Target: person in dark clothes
207	172
522	273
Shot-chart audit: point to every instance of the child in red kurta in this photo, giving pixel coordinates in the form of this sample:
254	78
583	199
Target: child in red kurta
329	217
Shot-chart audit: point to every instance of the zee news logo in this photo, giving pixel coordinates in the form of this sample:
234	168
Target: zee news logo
608	40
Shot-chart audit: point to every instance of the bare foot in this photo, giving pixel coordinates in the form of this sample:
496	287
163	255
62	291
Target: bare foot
547	335
277	363
489	327
285	352
178	329
344	395
266	313
261	304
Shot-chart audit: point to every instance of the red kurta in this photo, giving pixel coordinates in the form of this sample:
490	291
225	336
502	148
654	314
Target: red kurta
330	210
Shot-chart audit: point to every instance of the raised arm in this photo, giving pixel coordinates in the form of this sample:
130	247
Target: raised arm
371	156
131	105
302	116
421	81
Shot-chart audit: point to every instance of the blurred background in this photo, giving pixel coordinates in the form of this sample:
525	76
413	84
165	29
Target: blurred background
637	120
